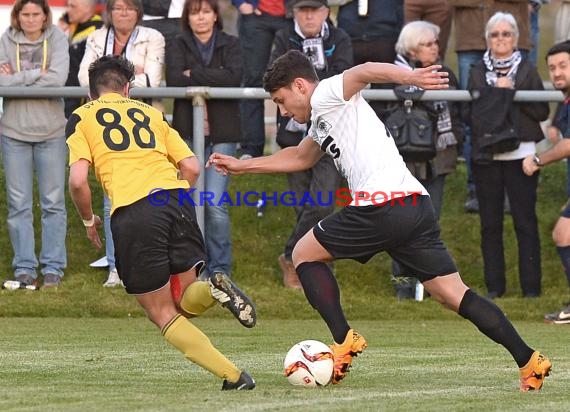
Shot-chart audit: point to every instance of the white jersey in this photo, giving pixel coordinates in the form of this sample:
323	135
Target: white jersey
361	146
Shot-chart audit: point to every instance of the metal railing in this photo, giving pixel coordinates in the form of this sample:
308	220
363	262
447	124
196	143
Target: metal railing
199	95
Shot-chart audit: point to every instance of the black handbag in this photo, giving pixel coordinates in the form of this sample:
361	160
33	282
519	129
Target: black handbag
411	126
494	122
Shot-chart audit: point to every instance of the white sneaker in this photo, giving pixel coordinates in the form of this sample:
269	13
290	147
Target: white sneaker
113	280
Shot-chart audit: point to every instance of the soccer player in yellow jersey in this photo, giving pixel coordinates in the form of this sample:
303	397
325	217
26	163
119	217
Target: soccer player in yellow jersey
138	159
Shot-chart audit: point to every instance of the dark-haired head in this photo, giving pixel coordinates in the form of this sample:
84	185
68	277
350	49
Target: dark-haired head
194	6
287	68
563	47
109	74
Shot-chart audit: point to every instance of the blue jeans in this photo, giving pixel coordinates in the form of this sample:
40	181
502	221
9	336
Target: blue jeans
49	160
321	182
109	244
534	37
465	60
256	34
568	177
217	230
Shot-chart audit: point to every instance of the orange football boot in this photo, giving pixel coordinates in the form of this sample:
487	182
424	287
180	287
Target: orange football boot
534	372
353	344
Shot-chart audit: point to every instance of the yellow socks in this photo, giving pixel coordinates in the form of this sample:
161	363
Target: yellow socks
197	298
196	347
191	341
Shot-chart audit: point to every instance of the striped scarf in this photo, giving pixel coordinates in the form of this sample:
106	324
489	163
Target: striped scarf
493	65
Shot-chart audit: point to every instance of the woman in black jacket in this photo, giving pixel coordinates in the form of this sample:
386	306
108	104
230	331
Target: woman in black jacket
203	55
499	170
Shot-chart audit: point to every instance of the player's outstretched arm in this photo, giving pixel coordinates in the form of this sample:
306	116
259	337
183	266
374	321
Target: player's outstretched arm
559	151
81	195
358	77
291	159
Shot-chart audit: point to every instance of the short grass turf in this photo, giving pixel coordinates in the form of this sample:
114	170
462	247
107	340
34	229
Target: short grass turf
65	364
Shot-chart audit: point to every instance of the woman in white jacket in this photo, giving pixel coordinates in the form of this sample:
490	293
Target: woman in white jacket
123	35
144	47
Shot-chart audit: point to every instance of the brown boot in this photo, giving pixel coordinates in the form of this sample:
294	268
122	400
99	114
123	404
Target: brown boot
290	277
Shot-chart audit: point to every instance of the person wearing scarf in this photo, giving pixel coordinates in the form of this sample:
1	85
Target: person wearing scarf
503	66
418	46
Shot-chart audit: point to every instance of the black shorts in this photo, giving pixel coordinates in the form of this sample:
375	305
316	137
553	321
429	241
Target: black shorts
152	242
405	228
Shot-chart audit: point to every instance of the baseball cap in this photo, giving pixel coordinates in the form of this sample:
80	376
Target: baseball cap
310	3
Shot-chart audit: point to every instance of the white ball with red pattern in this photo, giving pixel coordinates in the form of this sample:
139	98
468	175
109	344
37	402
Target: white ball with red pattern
309	363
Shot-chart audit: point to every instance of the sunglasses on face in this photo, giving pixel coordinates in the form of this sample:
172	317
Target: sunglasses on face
505	34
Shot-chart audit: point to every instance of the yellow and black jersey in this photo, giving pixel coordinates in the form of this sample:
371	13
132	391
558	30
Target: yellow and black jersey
131	145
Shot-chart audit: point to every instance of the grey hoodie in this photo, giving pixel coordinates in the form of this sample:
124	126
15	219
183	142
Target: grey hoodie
34	120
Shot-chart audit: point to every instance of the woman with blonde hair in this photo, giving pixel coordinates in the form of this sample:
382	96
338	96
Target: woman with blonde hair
418	46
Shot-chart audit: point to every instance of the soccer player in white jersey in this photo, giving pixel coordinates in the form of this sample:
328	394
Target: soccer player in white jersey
390	210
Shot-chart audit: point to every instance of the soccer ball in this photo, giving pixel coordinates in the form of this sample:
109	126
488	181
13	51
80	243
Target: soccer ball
309	363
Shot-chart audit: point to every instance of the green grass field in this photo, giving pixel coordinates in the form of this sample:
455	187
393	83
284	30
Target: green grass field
84	347
123	364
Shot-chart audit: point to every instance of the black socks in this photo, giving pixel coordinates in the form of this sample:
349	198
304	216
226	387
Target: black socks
321	290
564	253
490	320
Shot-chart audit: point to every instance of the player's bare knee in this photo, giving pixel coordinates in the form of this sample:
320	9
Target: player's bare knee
560	237
445	302
437	297
300	255
561	232
161	317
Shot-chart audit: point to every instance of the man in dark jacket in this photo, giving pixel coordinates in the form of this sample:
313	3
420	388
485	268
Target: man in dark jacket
258	22
373	34
164	16
558	62
330	51
83	20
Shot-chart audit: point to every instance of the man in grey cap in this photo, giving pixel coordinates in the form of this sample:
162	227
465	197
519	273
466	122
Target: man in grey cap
330	51
258	22
310	3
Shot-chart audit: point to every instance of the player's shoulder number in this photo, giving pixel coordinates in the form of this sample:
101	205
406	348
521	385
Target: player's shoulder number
141	132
